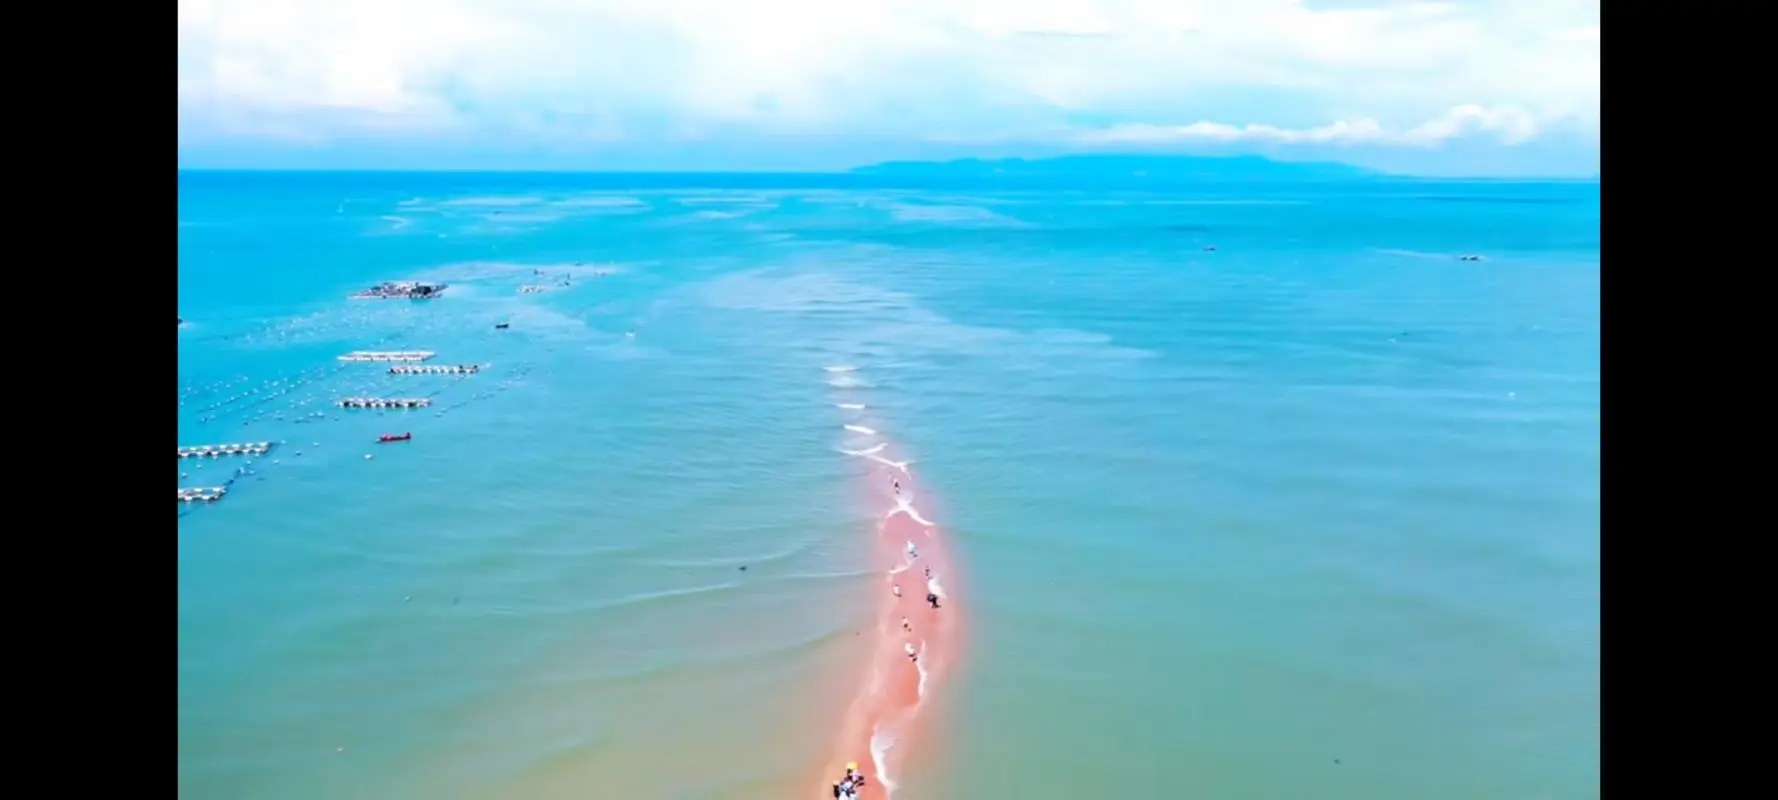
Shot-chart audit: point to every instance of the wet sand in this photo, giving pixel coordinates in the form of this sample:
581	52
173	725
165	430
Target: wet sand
882	728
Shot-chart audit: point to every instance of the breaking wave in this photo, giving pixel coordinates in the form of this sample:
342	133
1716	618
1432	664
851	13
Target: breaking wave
902	506
880	743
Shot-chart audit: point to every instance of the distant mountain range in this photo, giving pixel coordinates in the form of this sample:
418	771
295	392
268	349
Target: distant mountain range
1120	168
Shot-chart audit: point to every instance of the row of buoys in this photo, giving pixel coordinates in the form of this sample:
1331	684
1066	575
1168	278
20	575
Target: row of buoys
385	402
213	450
388	355
208	494
435	369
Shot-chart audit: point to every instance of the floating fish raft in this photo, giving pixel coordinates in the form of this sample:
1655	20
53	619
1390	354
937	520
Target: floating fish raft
388	355
385	402
214	450
405	290
435	369
207	494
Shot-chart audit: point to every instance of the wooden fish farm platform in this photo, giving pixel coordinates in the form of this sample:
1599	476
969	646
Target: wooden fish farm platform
385	402
206	494
388	355
435	369
215	450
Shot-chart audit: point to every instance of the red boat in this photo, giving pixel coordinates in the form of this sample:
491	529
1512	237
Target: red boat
391	437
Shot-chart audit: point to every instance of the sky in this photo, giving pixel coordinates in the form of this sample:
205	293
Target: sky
1494	88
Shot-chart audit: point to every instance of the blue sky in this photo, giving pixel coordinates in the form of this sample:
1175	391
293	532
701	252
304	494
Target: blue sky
1438	88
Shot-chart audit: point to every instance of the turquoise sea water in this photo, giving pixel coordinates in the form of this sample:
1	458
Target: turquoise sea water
1313	514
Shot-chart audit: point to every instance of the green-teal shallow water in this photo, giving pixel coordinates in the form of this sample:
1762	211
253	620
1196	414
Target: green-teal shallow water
1260	491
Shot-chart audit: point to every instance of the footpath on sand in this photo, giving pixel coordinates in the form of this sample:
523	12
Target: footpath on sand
913	633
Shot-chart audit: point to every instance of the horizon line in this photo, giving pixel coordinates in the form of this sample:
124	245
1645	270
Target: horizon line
848	172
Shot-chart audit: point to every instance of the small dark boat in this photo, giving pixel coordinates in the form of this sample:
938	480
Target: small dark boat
393	437
500	326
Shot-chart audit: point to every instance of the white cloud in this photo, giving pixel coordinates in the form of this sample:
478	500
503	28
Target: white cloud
613	69
1512	125
1509	125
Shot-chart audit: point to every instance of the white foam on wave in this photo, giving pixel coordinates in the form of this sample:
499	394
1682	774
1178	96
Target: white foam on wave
880	743
861	429
870	451
1412	253
920	666
900	465
603	201
902	506
845	381
841	368
492	201
851	406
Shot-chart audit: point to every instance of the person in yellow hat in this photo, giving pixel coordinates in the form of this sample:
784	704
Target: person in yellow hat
848	786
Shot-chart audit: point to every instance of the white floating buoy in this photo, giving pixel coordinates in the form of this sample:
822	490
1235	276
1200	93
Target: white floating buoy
368	456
